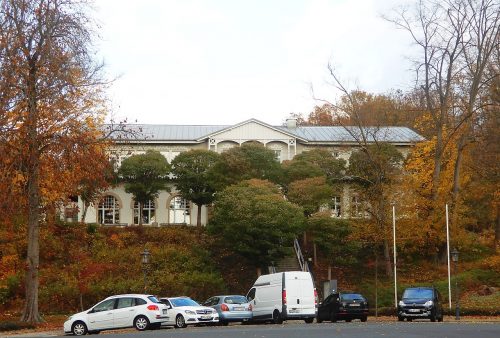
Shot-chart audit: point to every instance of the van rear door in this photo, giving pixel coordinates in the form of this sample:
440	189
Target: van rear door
299	294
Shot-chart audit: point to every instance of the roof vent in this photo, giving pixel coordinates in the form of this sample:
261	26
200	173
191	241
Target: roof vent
291	123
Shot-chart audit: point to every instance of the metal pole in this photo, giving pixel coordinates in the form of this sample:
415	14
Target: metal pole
394	250
457	302
145	277
448	255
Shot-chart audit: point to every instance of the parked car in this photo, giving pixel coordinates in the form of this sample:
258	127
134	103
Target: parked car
420	302
343	306
231	308
183	311
134	310
283	295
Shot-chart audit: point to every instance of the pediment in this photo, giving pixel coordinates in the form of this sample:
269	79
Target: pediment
252	130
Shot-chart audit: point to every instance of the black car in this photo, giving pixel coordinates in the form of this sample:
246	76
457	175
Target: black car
343	306
420	302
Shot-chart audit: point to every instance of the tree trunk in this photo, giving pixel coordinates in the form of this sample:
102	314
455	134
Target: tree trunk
497	230
387	259
30	312
198	216
438	154
259	272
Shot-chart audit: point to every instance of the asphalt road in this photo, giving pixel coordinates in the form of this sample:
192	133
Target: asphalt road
302	330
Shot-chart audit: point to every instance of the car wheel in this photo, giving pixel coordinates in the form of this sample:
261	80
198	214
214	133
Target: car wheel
309	320
364	318
224	322
440	319
180	322
432	317
319	320
277	317
333	317
141	323
79	328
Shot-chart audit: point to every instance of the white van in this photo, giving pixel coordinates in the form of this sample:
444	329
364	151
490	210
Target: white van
283	295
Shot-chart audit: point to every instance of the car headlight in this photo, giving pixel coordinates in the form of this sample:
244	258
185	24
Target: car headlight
189	312
401	303
429	303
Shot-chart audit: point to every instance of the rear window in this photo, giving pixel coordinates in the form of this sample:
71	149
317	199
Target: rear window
153	299
235	300
351	296
418	293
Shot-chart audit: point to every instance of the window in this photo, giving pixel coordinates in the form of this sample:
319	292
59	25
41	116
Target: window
336	207
277	154
108	211
179	211
125	302
148	212
140	301
356	206
105	305
251	295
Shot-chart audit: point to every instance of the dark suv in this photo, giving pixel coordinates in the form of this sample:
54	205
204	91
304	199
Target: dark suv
420	302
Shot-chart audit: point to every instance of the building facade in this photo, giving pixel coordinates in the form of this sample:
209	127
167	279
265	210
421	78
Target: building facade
118	208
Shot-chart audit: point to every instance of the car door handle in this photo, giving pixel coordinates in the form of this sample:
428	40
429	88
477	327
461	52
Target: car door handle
109	313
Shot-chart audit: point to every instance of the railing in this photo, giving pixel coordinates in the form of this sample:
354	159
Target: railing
303	264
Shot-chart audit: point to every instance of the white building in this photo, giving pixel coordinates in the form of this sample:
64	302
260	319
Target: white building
118	208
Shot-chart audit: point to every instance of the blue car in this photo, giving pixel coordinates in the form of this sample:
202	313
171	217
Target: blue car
231	308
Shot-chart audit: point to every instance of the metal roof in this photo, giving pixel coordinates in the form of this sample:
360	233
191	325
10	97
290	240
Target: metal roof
195	133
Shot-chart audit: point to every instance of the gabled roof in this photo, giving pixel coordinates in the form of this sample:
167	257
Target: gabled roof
164	133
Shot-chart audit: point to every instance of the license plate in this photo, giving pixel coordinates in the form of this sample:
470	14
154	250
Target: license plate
206	317
238	308
413	310
164	311
355	305
294	311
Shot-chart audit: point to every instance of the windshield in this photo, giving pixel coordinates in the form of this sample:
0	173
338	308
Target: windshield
235	300
418	293
176	302
351	296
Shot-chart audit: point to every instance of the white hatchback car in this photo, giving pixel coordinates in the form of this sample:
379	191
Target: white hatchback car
134	310
183	311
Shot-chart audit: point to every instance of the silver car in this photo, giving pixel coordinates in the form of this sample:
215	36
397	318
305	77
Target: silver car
231	308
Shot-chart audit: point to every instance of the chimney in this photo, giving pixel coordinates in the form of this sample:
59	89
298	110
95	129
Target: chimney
291	123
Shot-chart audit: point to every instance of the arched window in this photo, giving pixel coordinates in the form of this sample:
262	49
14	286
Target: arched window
179	211
108	211
148	212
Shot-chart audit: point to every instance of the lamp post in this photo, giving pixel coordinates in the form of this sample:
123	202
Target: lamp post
145	260
454	257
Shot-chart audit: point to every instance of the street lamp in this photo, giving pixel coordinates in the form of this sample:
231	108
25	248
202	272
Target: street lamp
145	260
454	258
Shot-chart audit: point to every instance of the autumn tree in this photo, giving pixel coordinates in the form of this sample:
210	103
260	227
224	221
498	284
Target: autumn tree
253	219
144	176
194	177
50	106
310	194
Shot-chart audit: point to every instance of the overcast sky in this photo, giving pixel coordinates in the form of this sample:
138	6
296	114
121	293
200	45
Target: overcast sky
223	62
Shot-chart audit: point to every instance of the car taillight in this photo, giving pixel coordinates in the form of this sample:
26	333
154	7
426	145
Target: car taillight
315	297
250	307
283	297
153	307
224	307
